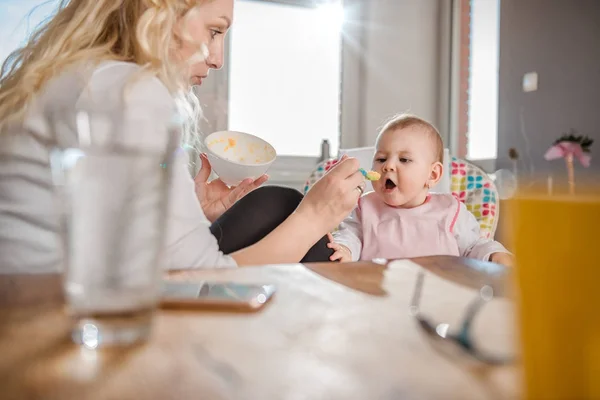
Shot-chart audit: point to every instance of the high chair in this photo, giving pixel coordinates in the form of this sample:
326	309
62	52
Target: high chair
471	185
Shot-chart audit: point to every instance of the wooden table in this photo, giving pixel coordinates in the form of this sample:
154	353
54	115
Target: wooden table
333	331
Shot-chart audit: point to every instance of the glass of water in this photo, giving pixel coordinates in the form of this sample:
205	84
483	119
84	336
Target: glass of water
112	192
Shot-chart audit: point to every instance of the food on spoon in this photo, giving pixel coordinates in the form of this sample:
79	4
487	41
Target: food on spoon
370	175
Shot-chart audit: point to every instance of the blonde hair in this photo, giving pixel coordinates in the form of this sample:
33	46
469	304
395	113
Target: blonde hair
139	31
402	121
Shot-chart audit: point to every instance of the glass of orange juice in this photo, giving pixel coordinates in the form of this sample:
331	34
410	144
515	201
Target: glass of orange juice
557	248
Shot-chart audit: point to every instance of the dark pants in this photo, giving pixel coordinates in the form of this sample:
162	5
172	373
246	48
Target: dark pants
257	214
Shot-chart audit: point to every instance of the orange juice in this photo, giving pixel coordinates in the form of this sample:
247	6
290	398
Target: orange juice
557	247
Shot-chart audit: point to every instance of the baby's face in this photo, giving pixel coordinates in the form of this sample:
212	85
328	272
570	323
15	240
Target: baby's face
404	158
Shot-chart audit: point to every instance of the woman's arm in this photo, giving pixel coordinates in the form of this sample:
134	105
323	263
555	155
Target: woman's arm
190	243
288	243
330	200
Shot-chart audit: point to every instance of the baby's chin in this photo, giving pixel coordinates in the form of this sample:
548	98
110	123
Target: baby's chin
398	199
392	200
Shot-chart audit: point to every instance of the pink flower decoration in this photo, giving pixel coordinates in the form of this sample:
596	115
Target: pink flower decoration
565	148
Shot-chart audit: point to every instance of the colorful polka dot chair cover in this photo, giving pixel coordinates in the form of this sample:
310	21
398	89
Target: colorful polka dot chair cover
469	183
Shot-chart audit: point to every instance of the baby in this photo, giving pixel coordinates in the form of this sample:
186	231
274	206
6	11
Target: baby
401	219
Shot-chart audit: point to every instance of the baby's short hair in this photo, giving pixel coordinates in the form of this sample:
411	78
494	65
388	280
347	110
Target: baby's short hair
402	121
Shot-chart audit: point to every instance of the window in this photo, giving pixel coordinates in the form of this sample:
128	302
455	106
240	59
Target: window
479	63
483	82
284	82
18	19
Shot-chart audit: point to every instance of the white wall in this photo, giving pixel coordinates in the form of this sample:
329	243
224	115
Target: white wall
402	62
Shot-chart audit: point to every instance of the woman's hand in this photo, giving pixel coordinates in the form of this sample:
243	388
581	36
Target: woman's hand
215	196
334	196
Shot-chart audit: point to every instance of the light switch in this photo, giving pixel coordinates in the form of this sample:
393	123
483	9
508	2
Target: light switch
530	82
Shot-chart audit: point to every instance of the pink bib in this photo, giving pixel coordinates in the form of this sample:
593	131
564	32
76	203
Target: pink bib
393	233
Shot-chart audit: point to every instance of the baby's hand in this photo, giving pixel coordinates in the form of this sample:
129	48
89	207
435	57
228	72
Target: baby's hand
502	258
341	252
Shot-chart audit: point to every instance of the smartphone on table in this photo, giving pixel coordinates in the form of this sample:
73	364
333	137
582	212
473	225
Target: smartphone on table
221	295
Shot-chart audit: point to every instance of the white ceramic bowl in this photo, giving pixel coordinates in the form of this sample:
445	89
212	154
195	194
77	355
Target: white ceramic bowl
235	156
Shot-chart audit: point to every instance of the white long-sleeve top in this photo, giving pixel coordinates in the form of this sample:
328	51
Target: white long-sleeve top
29	238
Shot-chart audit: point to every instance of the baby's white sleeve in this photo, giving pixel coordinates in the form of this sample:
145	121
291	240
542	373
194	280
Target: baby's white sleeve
470	243
349	234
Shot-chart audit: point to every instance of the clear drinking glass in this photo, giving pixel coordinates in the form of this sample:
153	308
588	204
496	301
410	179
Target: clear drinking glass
112	193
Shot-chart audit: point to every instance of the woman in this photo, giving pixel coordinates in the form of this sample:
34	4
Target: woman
146	53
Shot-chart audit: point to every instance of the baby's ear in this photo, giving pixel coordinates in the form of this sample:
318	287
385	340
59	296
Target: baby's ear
437	170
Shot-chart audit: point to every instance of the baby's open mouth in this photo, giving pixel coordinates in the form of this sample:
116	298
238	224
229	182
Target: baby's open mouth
389	184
